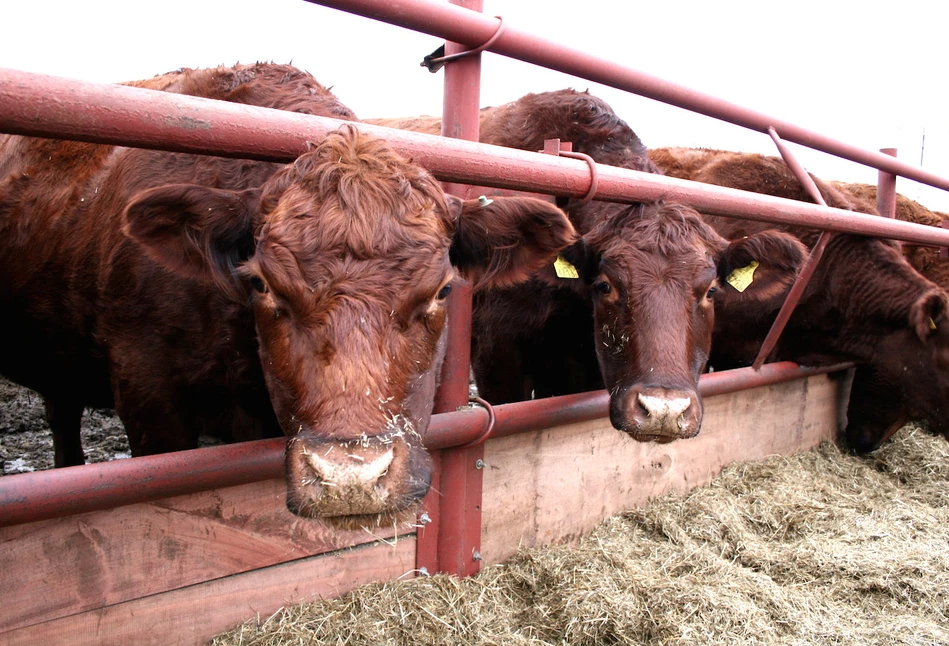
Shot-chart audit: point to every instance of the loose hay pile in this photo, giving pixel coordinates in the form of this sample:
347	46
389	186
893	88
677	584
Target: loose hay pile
819	548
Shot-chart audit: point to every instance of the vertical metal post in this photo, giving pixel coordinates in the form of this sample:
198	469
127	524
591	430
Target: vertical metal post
886	189
944	251
451	541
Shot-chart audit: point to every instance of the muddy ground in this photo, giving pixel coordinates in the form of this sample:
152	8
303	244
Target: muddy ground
26	443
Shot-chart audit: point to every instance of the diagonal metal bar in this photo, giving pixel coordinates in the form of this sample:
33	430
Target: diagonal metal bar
810	265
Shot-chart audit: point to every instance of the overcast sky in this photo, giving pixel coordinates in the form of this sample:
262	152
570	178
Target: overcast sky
870	74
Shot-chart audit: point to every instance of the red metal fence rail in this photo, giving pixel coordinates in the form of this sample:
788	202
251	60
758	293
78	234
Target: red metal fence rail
48	106
30	497
474	29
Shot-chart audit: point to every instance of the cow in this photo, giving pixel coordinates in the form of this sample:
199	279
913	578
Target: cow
924	258
628	307
865	303
195	292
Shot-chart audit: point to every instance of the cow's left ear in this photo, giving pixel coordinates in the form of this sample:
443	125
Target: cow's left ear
760	267
196	231
502	241
575	266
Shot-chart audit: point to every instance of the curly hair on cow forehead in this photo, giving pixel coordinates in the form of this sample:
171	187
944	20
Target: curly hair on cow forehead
357	194
669	228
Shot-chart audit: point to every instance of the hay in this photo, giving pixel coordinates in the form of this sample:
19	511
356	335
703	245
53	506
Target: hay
819	548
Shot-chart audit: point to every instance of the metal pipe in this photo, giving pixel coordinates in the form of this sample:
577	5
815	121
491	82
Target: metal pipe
41	495
454	535
45	106
474	29
886	189
810	265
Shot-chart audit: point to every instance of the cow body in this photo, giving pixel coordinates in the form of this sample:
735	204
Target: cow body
637	318
924	258
243	298
865	303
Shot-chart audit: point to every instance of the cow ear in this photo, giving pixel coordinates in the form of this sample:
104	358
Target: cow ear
502	241
574	266
761	267
196	231
928	315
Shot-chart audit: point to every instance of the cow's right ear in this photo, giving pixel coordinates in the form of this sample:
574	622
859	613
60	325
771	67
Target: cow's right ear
196	231
760	268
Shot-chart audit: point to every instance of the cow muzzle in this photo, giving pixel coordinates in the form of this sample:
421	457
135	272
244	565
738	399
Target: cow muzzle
368	480
657	414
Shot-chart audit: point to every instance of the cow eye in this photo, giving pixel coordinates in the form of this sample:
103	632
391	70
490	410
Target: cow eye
444	292
258	284
603	287
711	292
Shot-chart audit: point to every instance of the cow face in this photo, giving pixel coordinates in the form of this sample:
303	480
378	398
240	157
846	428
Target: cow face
655	273
346	258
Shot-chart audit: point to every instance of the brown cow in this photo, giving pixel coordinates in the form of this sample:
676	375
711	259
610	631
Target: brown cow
865	303
645	275
196	292
925	259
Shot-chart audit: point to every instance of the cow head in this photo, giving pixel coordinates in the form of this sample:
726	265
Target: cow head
584	120
346	257
654	272
907	376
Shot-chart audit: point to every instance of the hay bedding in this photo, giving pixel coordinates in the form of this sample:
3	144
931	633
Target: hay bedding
819	548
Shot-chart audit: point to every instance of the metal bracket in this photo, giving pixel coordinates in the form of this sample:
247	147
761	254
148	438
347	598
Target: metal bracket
437	59
489	428
565	149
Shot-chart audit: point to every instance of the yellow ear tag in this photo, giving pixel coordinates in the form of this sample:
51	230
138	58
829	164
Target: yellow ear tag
564	269
742	277
932	323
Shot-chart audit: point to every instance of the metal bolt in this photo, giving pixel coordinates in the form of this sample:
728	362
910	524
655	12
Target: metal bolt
479	464
423	571
424	518
476	556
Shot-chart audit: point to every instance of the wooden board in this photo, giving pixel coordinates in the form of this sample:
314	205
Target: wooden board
556	485
196	613
68	565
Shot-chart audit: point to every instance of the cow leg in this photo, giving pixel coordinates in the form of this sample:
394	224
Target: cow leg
64	416
875	410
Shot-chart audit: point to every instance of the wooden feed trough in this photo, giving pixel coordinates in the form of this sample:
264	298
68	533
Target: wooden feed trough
182	569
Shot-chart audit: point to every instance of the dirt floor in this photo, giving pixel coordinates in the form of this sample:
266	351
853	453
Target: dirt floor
26	443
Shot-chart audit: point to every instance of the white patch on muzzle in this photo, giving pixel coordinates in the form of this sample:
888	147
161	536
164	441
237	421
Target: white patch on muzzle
350	485
664	414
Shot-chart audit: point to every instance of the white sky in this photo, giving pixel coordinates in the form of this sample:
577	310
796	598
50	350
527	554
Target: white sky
866	73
